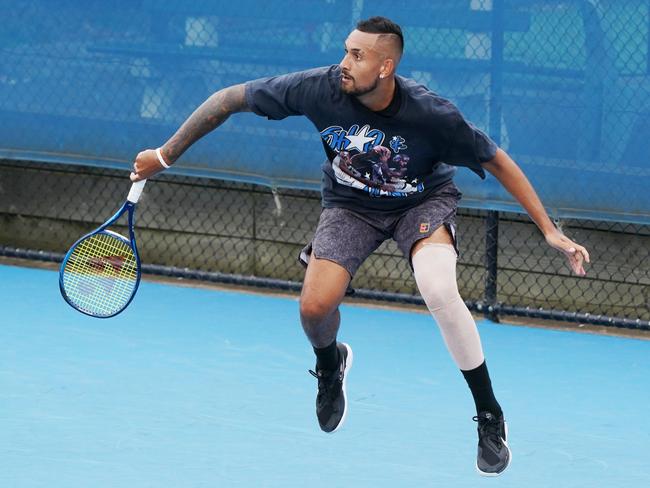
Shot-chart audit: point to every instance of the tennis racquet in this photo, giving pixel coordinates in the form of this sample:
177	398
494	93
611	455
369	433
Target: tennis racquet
101	272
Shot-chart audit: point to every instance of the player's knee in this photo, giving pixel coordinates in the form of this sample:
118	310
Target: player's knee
437	293
434	268
314	311
438	288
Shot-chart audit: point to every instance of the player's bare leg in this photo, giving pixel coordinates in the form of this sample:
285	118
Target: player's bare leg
322	292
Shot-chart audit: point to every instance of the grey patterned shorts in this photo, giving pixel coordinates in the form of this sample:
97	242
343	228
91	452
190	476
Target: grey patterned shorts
347	237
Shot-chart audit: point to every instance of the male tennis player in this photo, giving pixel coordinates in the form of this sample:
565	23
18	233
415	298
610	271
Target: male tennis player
357	105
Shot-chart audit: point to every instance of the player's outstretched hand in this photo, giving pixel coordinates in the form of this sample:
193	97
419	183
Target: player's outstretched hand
146	165
575	253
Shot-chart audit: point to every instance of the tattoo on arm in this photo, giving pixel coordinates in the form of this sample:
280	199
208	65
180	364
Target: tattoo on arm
210	115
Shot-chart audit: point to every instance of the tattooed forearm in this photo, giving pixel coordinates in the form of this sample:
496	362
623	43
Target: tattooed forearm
210	115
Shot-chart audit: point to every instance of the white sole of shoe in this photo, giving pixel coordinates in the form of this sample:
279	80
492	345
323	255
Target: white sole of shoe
493	475
348	365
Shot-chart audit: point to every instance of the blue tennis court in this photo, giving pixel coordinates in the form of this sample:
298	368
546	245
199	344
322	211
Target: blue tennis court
196	387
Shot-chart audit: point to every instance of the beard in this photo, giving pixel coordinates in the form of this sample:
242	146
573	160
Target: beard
358	91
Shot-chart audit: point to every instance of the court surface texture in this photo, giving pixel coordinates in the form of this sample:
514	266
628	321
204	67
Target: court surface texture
198	387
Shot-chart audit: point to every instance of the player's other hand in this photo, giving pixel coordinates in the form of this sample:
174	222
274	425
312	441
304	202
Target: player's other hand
575	253
146	165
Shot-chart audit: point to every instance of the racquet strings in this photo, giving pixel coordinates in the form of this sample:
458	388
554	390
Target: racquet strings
101	275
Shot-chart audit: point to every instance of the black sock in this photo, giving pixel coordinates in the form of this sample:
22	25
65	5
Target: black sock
327	357
479	383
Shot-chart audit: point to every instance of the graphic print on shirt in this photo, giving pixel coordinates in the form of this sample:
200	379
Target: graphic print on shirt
363	163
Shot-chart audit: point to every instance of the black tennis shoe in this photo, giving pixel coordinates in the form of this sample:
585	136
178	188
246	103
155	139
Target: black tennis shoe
493	452
331	400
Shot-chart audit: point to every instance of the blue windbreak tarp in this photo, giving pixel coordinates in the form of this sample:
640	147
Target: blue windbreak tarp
563	86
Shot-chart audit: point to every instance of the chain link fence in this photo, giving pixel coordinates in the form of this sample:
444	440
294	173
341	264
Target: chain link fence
221	231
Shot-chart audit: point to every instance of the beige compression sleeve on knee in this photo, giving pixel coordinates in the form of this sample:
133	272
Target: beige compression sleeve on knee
434	267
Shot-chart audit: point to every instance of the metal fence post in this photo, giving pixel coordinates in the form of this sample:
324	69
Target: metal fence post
496	96
491	252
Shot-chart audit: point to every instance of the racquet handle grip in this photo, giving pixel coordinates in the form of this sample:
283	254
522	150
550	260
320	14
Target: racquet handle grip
136	191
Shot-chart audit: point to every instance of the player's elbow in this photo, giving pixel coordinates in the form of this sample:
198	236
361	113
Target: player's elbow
234	99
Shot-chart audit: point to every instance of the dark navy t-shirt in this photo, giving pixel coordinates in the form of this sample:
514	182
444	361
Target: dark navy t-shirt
388	160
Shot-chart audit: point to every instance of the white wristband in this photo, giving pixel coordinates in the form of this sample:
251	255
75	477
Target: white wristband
160	158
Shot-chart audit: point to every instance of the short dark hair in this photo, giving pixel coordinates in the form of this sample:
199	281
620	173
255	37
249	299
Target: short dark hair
381	25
